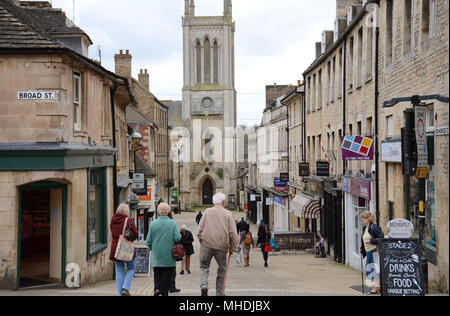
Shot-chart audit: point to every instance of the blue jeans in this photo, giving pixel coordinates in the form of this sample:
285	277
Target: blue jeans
371	273
124	281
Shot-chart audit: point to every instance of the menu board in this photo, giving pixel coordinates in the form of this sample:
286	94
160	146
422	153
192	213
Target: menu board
401	271
143	259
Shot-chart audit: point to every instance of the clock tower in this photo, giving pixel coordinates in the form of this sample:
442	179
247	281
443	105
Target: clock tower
209	105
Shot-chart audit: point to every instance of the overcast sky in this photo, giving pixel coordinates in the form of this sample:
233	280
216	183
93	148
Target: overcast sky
274	41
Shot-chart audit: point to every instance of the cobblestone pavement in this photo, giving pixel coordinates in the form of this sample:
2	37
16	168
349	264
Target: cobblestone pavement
298	274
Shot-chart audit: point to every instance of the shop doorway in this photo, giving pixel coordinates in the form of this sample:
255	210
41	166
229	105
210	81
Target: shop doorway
41	237
207	192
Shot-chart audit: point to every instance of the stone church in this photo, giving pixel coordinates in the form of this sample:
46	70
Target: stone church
206	143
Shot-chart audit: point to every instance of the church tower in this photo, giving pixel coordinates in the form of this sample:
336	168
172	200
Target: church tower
209	105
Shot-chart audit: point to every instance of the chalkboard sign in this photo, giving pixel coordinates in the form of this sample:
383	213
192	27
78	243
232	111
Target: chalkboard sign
142	260
401	271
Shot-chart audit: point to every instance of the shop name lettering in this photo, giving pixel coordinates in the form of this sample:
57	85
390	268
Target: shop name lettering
248	306
36	95
294	240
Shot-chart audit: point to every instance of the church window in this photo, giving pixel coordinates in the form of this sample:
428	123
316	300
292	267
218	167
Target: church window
216	62
199	62
207	61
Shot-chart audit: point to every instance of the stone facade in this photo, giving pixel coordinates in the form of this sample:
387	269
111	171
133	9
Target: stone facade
208	108
341	98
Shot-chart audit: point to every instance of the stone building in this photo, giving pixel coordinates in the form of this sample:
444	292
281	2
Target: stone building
58	145
272	161
157	153
358	67
208	159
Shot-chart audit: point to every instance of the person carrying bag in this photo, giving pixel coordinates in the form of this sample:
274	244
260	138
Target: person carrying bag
124	233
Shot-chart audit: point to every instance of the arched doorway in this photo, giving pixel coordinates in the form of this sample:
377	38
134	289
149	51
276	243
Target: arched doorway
207	192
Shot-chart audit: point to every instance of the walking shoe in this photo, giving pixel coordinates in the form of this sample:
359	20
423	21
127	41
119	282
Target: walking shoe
175	291
189	272
265	265
157	293
182	272
204	292
125	292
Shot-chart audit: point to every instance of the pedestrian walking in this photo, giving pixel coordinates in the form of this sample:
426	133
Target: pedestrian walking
241	226
218	237
173	286
263	240
247	244
369	241
123	281
186	241
198	217
162	236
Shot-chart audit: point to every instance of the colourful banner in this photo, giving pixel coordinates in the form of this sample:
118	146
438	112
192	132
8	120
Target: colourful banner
357	148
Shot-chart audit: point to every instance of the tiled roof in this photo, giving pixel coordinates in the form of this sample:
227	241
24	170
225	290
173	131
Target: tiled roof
18	31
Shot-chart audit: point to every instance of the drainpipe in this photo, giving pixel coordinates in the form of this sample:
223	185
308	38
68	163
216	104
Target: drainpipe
344	163
113	111
377	153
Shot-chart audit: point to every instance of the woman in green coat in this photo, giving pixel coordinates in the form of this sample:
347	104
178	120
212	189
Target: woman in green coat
162	236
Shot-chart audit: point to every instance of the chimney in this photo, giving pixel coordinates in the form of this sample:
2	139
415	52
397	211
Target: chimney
340	9
318	49
123	64
144	79
327	40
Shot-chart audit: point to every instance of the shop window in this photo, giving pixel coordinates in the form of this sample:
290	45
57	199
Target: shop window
97	210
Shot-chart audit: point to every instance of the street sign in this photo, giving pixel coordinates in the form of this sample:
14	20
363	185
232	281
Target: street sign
441	131
421	172
421	137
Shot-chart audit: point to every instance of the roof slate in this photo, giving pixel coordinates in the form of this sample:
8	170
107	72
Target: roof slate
18	31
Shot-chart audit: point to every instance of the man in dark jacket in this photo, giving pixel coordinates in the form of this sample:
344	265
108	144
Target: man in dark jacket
186	241
199	217
241	225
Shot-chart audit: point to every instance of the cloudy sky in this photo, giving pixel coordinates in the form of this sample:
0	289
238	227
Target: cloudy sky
274	41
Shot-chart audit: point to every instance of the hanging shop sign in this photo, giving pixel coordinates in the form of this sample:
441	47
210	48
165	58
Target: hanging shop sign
269	201
323	168
303	169
279	200
278	185
357	148
401	269
284	176
391	150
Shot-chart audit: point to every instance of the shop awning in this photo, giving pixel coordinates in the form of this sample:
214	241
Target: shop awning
305	206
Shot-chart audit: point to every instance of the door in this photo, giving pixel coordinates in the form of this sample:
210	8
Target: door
41	234
207	192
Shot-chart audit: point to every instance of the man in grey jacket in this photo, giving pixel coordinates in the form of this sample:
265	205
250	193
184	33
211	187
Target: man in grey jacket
218	236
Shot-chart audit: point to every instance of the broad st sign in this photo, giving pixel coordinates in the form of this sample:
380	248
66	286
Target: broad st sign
36	95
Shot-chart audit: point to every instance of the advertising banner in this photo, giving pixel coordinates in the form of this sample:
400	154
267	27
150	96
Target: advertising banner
357	148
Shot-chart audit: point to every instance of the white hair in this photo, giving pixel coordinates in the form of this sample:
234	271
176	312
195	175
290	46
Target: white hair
219	198
183	227
163	209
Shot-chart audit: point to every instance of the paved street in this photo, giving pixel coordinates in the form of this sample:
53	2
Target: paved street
287	275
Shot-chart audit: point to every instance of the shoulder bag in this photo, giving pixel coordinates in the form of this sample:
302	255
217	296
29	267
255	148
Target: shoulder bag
125	248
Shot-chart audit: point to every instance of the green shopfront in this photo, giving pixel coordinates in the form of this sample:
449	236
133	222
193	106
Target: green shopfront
57	202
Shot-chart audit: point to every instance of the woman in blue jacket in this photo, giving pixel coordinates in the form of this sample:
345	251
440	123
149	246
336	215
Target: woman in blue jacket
369	241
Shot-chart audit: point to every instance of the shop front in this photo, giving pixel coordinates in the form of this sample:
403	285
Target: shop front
358	199
332	220
281	214
58	201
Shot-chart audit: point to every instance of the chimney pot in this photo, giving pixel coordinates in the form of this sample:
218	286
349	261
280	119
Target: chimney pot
121	52
128	51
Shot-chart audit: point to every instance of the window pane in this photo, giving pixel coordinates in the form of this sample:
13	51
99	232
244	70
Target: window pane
96	208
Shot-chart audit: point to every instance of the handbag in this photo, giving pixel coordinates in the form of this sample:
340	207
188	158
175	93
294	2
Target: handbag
128	233
125	248
268	247
178	251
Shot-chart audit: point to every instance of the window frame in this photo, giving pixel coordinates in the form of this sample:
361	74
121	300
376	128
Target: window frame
77	101
103	244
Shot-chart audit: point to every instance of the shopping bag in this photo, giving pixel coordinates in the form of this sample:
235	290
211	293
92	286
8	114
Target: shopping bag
125	248
238	258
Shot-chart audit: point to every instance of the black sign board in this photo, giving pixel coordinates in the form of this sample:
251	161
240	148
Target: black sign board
291	241
303	169
142	260
284	176
323	169
401	270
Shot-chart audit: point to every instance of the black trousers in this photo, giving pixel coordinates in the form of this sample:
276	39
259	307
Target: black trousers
164	279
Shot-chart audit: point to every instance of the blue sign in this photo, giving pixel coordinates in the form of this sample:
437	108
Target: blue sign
277	182
279	200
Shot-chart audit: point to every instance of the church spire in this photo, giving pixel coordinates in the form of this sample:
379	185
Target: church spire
192	8
186	7
227	8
